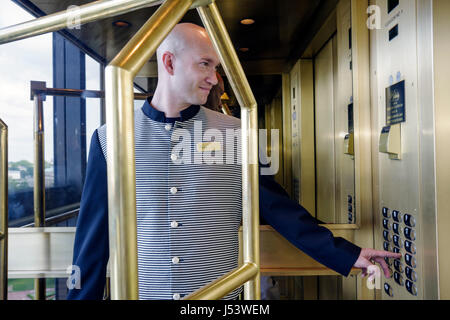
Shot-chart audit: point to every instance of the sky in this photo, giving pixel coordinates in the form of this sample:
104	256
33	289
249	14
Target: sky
21	62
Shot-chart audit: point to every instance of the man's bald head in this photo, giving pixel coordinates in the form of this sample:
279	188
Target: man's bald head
183	36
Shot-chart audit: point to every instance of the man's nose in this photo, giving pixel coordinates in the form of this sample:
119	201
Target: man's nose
212	79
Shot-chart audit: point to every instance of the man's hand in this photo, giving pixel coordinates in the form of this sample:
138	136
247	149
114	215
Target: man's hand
368	257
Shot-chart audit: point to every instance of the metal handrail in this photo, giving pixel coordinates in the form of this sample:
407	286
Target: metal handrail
57	218
3	211
79	93
119	75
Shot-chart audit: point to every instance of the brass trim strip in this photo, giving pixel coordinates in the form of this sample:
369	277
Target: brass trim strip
3	210
38	177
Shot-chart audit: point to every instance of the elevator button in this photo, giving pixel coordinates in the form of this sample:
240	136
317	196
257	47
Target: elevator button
386	235
386	246
397	228
410	247
386	224
350	217
398	278
396	215
388	262
349	199
350	208
398	265
386	213
388	290
397	241
409	233
410	260
411	287
396	250
411	274
409	220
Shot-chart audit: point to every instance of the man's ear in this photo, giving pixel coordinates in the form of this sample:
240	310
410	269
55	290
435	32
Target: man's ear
168	60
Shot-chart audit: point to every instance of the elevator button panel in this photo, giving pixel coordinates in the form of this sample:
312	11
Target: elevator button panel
350	209
402	225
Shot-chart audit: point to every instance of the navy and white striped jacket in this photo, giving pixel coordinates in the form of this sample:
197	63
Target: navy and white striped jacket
188	211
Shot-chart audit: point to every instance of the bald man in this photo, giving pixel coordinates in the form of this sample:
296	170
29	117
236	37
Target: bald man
188	198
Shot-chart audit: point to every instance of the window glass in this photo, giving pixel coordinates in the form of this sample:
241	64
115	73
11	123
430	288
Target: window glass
93	105
20	62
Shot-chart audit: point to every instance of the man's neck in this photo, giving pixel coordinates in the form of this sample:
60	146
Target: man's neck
165	103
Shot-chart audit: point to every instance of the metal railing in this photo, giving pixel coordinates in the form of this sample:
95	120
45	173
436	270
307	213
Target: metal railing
3	211
119	75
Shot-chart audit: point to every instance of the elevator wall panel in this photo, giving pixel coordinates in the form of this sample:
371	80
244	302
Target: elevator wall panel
402	224
325	134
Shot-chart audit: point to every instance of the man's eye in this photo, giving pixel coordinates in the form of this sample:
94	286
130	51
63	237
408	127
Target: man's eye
205	64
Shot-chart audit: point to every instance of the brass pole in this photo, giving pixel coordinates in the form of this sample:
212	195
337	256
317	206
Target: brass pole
225	284
78	15
68	18
119	75
38	177
3	211
249	125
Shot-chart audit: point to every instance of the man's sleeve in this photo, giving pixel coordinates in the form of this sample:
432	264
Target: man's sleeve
91	248
294	223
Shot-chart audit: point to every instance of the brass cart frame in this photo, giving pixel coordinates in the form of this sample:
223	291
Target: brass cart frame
119	75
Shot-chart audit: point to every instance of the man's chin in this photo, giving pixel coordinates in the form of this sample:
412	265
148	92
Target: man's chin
201	101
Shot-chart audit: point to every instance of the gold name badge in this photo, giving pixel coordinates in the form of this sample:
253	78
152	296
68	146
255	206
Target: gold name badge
209	146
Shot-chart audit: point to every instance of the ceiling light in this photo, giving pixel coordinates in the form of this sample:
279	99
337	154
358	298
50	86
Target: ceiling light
121	24
247	21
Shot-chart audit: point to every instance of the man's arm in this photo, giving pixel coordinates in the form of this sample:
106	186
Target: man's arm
91	248
293	222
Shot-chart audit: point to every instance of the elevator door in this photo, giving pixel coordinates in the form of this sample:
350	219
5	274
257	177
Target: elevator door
325	134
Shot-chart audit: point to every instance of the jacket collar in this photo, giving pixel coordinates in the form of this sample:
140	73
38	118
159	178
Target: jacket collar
159	116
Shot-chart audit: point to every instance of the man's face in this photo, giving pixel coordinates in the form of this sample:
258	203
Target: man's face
195	72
